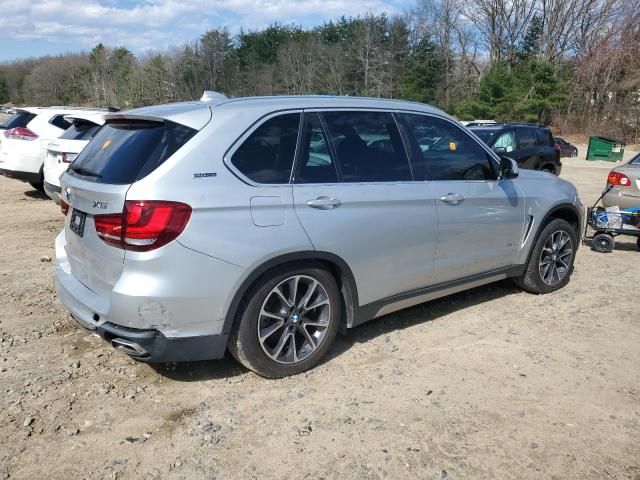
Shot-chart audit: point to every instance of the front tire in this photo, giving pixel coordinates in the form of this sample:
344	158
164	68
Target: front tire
551	262
289	321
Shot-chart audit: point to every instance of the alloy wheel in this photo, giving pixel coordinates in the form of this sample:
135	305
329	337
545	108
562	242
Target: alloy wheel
555	258
294	319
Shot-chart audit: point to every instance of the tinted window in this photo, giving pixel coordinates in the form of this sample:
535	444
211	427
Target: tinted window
443	151
125	151
544	137
266	156
315	164
526	137
21	119
80	131
60	122
368	146
485	134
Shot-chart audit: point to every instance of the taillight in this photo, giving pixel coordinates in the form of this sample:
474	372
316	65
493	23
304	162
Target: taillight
69	157
144	225
557	148
20	133
617	178
64	207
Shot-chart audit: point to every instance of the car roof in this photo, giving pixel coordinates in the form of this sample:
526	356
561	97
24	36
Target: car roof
196	114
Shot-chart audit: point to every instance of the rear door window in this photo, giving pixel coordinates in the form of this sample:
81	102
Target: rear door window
124	151
315	163
18	120
266	156
526	138
80	131
368	146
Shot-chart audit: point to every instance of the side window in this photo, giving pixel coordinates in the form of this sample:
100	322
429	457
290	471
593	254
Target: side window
544	137
315	164
507	140
266	156
526	137
60	122
368	146
443	151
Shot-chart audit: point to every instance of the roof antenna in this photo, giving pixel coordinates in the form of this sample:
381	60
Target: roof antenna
213	97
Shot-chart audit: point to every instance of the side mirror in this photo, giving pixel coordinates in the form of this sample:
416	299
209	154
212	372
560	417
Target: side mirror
508	168
500	150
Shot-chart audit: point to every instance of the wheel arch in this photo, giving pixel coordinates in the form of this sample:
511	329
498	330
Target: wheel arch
336	266
564	211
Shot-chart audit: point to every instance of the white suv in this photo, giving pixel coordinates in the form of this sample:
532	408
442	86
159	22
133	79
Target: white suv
24	146
62	151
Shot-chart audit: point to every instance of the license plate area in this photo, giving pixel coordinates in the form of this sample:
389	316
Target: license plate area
78	219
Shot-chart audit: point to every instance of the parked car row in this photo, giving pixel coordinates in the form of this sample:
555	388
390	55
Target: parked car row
26	137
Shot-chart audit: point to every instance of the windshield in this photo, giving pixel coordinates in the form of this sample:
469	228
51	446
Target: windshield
124	151
485	134
20	119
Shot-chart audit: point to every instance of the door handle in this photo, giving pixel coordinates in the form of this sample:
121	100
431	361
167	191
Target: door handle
324	203
452	198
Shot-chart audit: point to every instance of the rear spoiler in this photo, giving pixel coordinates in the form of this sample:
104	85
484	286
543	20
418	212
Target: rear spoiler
92	118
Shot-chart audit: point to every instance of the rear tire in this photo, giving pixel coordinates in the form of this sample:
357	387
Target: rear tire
638	243
551	261
288	322
603	243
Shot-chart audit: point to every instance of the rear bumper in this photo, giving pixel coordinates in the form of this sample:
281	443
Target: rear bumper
174	312
52	192
153	346
616	198
22	176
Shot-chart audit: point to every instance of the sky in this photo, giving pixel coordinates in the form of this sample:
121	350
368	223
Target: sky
48	27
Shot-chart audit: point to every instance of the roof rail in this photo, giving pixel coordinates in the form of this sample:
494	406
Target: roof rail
213	97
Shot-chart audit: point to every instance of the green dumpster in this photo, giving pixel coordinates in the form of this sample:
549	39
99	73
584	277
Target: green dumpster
603	148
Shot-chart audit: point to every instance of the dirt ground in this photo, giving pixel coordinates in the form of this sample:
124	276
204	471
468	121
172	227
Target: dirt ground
490	383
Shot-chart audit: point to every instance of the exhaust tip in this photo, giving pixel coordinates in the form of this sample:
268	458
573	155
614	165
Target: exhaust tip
128	347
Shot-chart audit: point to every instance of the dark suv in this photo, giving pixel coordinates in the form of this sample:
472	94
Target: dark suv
532	146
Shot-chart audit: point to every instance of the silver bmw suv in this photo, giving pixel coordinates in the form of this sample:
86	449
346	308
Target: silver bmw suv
266	225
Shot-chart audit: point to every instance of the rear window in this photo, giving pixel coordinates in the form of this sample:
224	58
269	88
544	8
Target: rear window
80	131
123	152
60	122
18	120
635	161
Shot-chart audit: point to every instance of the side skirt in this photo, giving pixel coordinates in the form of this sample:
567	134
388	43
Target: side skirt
388	305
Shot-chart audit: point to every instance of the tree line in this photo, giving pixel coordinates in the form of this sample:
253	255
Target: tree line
573	63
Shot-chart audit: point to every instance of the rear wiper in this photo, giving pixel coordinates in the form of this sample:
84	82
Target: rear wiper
86	172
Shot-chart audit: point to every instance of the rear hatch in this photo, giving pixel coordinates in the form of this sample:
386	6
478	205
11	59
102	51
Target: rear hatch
125	150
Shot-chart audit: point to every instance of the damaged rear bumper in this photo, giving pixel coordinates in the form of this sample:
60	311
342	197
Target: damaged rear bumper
153	346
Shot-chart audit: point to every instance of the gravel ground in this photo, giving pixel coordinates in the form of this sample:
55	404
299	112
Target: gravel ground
489	383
